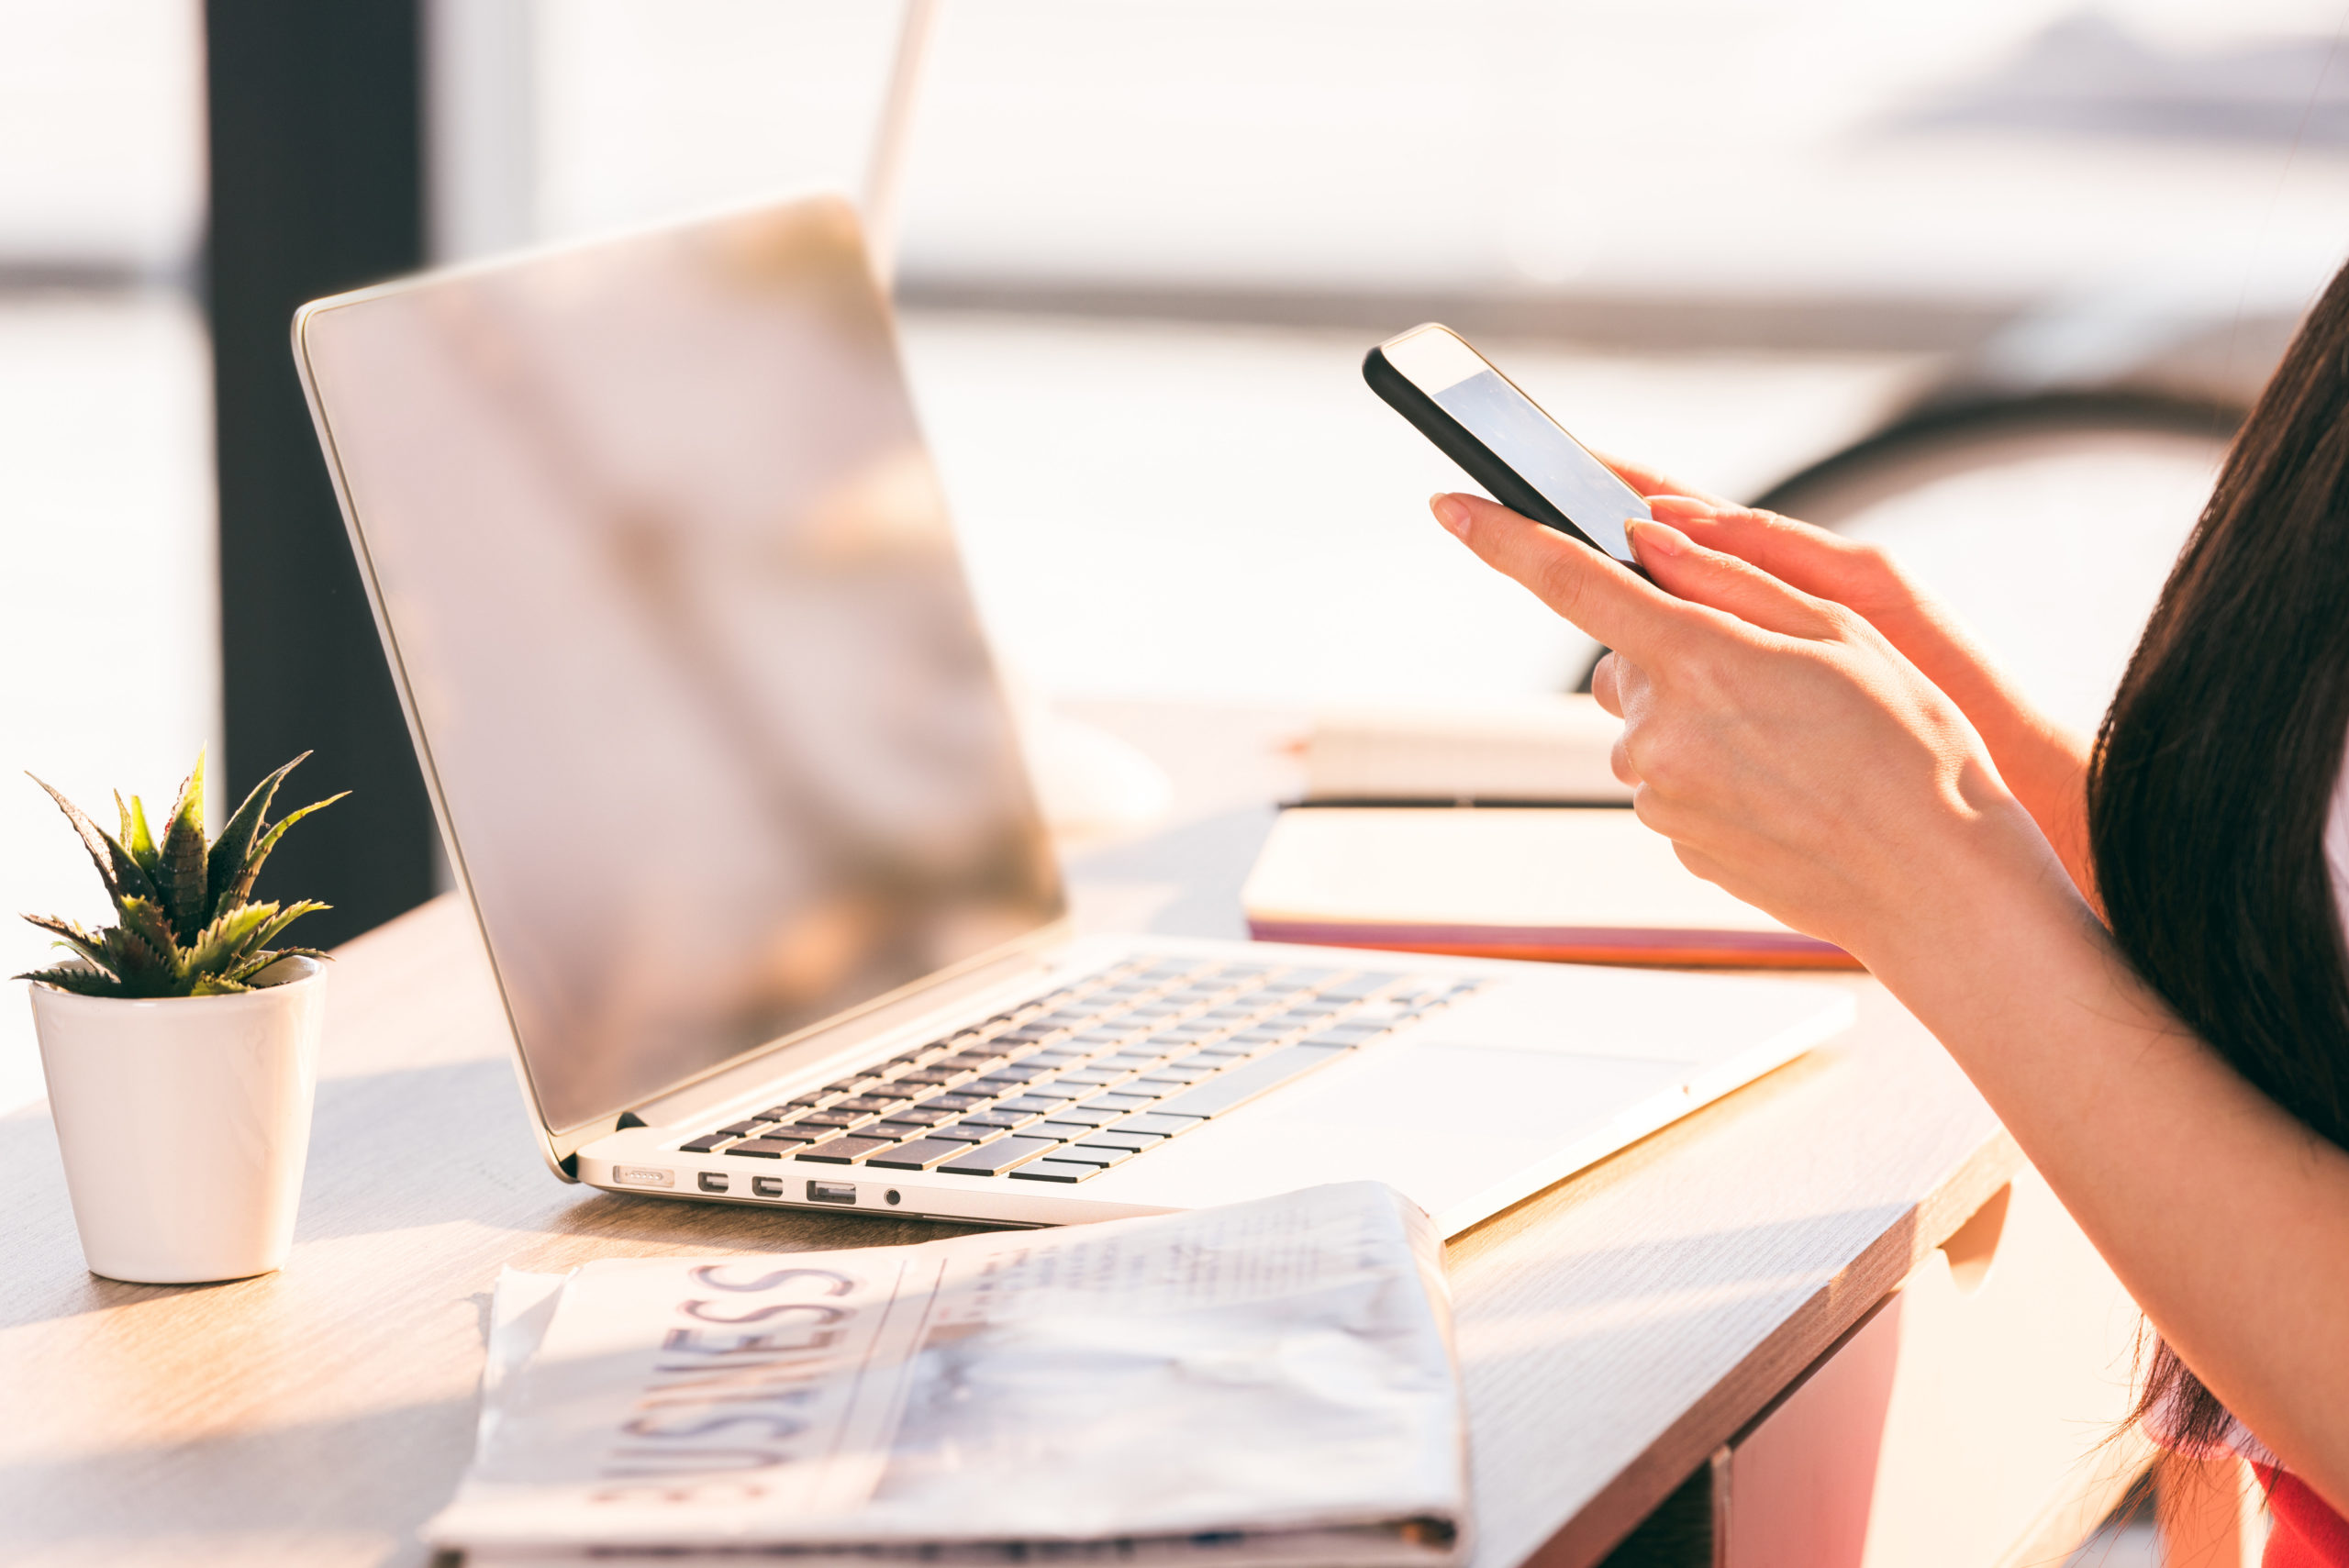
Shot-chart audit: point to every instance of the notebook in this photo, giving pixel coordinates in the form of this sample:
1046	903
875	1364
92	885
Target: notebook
1579	884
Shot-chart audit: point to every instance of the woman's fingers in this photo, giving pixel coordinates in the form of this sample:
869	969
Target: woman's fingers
1606	688
1609	684
1796	553
1618	760
1722	582
1579	583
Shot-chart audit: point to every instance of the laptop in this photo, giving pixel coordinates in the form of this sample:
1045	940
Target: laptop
720	756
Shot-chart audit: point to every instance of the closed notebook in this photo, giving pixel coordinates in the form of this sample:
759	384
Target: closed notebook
1587	884
1536	747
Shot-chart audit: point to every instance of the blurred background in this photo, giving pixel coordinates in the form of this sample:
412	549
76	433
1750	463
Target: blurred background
1991	283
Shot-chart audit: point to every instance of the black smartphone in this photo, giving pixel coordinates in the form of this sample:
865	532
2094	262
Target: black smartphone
1483	422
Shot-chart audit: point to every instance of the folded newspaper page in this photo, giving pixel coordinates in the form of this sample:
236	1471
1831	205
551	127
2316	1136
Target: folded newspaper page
1268	1382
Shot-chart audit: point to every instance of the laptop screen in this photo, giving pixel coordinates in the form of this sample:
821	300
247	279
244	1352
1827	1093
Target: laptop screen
670	589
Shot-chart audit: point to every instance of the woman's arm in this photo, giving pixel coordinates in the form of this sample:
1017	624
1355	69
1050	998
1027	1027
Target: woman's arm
1794	755
2045	764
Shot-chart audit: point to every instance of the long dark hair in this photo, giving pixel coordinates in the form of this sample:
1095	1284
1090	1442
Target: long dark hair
2214	772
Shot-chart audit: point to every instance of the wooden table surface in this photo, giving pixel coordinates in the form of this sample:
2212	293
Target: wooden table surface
1614	1330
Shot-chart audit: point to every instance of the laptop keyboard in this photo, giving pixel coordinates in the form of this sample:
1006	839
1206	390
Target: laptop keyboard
1100	1071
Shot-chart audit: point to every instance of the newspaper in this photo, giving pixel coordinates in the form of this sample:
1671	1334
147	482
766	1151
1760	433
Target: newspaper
1269	1383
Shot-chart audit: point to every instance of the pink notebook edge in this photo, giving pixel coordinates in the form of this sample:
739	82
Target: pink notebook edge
1679	947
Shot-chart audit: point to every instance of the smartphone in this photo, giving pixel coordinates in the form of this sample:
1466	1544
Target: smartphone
1483	422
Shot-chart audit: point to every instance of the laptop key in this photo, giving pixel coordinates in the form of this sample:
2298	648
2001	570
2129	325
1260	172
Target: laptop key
1097	1152
1237	1085
993	1159
1033	1105
768	1148
1078	1117
1138	1099
1008	1120
963	1132
871	1102
927	1114
919	1155
1361	985
703	1144
1344	1038
1119	1137
842	1150
835	1118
1064	1171
1163	1124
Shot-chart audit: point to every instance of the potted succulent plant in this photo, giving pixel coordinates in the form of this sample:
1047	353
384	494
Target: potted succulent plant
181	1046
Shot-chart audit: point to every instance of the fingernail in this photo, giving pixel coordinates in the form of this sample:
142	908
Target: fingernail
1448	511
1654	539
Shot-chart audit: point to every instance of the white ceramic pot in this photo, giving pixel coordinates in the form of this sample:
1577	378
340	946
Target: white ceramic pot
185	1123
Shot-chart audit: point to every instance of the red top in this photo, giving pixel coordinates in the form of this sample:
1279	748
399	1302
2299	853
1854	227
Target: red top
2307	1533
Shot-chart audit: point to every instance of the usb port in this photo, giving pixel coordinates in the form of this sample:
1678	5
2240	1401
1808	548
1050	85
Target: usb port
767	1186
713	1181
832	1192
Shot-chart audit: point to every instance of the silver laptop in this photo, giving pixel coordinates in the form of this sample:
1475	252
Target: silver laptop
720	758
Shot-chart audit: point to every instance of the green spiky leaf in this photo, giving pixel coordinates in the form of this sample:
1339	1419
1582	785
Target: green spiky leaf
117	868
221	945
216	985
136	835
90	945
142	951
258	962
182	882
81	982
227	862
242	889
286	917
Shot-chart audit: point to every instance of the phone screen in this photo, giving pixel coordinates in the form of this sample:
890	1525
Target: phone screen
1465	386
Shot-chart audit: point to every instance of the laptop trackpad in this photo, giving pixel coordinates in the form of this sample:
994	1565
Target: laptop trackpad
1442	1122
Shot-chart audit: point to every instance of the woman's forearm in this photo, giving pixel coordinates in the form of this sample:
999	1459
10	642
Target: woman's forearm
2226	1219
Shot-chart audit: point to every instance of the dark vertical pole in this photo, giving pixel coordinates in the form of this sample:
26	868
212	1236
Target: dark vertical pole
316	186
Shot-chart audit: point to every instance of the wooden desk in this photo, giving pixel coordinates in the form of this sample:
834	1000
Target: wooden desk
1616	1330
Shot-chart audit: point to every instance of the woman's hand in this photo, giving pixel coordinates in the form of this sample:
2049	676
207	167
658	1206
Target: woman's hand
2044	763
1799	758
1784	745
